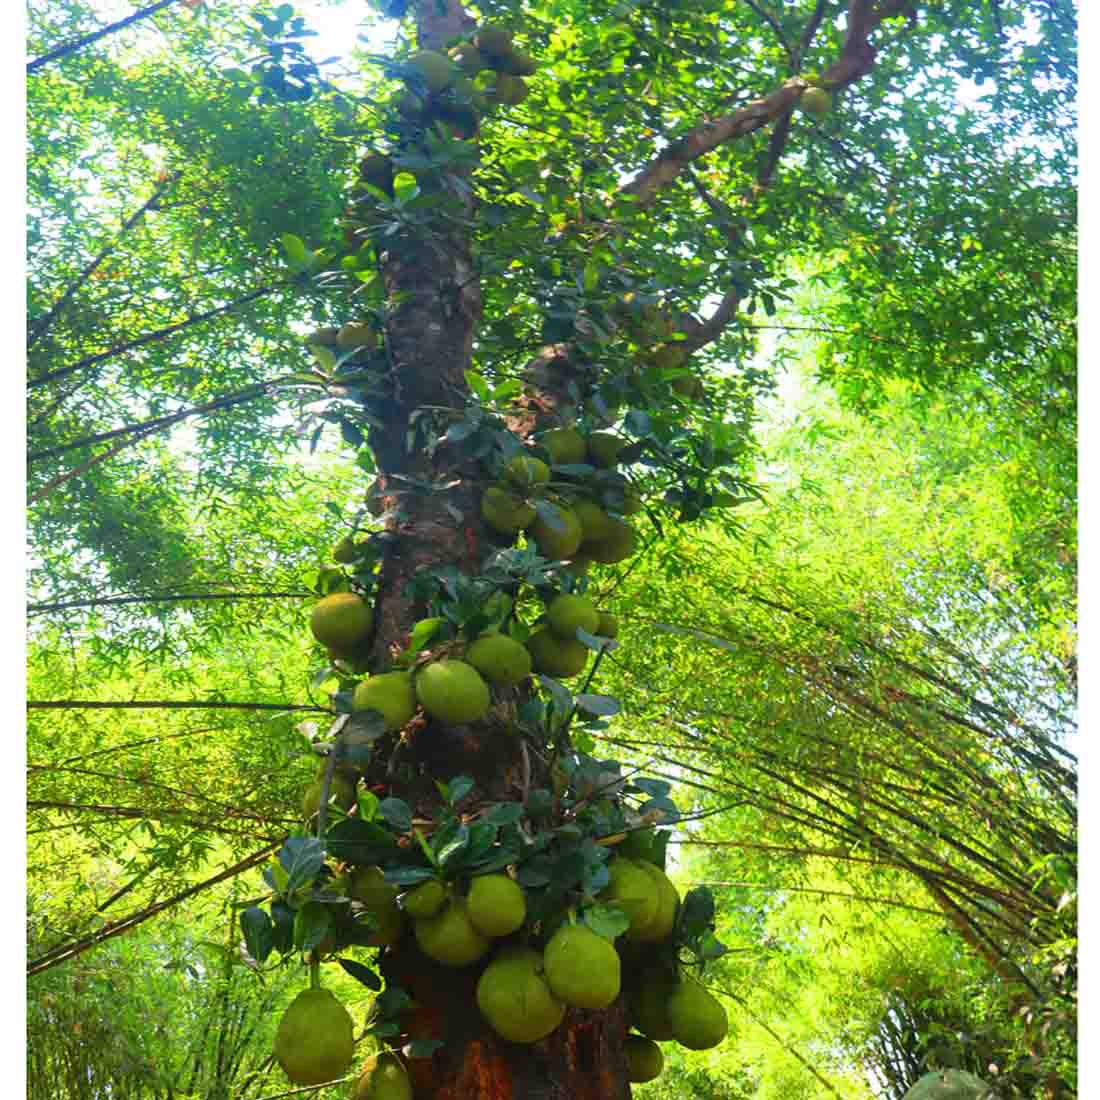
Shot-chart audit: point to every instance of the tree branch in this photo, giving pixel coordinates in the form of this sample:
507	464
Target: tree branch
70	950
149	338
114	601
856	60
172	704
39	327
95	36
145	427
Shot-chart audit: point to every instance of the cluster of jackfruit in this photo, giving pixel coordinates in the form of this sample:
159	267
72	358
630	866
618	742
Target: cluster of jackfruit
325	344
573	525
529	980
525	989
451	86
652	330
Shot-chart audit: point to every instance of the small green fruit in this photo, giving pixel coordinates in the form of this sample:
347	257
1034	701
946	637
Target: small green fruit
604	448
315	1042
383	1077
582	969
341	791
500	659
816	102
593	519
690	387
436	70
452	691
496	42
554	656
391	694
614	547
608	626
649	1003
517	63
668	356
525	471
668	902
697	1019
323	337
510	90
504	511
357	334
565	445
496	905
567	613
468	58
630	889
515	999
644	1060
449	937
341	621
561	540
345	551
379	898
426	900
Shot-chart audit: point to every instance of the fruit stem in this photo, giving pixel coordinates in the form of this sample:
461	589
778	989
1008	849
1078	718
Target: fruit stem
314	973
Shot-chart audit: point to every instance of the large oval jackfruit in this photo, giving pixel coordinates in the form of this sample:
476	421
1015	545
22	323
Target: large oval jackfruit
697	1018
341	621
515	999
583	969
314	1042
452	691
391	694
384	1077
449	937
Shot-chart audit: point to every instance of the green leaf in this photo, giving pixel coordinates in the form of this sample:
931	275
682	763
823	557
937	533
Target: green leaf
607	921
396	814
602	705
301	857
311	924
259	933
362	974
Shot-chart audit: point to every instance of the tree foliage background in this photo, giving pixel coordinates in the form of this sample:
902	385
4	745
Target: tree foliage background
849	643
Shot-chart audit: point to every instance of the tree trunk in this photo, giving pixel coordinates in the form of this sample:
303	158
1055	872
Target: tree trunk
429	334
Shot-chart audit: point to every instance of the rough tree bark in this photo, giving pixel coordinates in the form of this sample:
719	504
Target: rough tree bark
429	335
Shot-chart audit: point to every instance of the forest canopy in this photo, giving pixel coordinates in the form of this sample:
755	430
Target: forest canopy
715	363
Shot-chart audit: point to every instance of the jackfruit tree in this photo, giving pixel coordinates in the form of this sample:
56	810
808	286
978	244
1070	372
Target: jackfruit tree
532	295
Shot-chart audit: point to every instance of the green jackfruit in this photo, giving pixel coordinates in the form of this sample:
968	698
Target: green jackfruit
496	905
314	1042
567	613
500	659
341	621
554	656
582	968
391	694
452	691
697	1018
561	539
515	999
449	937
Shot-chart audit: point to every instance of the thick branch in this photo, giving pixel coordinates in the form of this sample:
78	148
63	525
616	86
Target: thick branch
855	62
